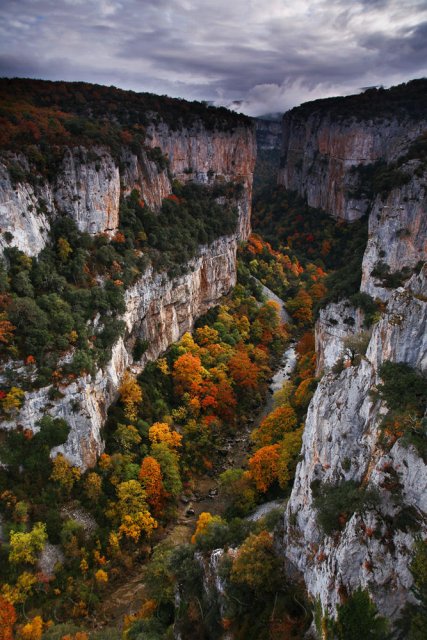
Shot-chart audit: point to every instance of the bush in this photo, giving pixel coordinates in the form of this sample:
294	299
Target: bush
335	504
358	618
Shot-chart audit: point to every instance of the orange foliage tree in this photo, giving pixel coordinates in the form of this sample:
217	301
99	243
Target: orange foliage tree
264	465
187	373
151	477
7	619
243	371
160	432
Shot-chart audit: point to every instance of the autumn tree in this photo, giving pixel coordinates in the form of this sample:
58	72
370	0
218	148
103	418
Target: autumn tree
160	432
132	510
274	426
290	447
169	465
127	437
256	564
6	329
263	466
243	371
93	486
7	619
64	473
131	396
187	373
151	477
25	547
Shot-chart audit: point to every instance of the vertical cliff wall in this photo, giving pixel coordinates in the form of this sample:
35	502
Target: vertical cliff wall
324	141
342	437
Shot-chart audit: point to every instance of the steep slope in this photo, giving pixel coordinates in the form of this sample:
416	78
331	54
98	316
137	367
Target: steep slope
83	166
347	445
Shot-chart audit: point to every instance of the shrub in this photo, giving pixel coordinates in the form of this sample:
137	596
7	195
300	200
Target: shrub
335	504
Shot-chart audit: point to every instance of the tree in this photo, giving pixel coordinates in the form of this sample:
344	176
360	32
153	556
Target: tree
13	400
93	486
25	547
274	426
64	473
135	519
256	565
290	447
358	618
7	619
33	630
160	432
187	373
6	329
131	395
127	437
243	371
168	460
151	477
264	465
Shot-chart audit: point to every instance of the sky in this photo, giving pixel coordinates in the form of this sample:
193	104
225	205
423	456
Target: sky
257	56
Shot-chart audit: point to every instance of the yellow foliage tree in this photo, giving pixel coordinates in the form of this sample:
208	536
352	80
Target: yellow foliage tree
24	547
93	486
131	395
160	432
64	249
289	451
13	400
202	523
33	630
23	588
64	473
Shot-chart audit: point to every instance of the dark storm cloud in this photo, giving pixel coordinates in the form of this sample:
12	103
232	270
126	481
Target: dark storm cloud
266	55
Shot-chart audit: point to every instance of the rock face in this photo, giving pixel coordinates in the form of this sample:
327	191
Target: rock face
341	442
319	155
342	438
88	187
89	182
397	233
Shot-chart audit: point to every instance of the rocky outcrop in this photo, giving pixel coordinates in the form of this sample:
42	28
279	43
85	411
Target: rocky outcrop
89	182
24	214
158	310
209	156
337	322
341	442
397	232
319	155
342	437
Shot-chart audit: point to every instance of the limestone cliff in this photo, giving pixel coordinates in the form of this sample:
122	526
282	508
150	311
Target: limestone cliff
324	141
342	436
87	182
158	310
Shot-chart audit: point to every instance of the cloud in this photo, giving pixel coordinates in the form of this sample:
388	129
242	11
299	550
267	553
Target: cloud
265	56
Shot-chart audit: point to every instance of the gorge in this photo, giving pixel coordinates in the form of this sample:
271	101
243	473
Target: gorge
194	348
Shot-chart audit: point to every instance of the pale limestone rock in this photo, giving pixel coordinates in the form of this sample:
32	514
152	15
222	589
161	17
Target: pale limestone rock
21	214
88	189
340	442
397	233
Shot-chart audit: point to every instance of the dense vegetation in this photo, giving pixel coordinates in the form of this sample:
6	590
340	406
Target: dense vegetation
403	101
43	113
312	241
49	304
